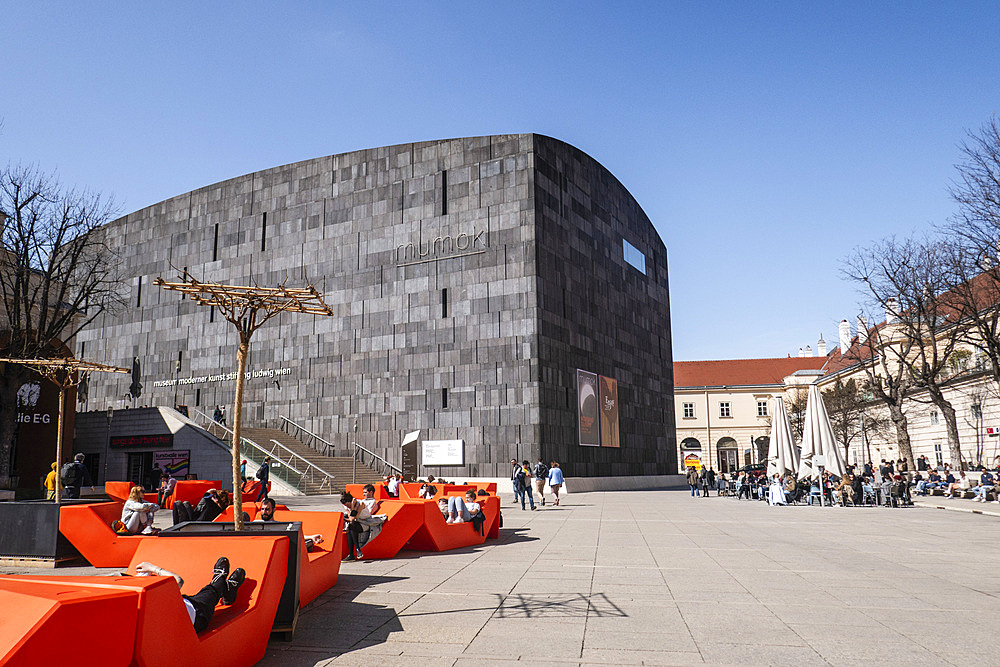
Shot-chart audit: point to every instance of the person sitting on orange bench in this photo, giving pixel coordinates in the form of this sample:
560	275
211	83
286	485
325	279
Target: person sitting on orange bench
201	606
137	514
267	514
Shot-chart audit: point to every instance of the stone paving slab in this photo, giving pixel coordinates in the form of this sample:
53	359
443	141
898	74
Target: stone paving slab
660	578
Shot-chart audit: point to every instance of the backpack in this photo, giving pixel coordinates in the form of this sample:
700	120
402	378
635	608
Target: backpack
520	477
70	474
541	471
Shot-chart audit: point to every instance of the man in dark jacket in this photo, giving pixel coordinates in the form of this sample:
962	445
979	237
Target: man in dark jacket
264	474
75	476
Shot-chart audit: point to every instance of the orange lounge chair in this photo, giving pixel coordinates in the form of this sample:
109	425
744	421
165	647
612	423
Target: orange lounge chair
319	568
191	490
358	491
47	620
88	528
237	635
404	519
437	534
252	510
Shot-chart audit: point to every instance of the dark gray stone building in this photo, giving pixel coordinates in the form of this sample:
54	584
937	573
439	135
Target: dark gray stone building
470	279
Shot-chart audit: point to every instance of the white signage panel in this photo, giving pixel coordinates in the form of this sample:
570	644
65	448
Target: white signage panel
443	452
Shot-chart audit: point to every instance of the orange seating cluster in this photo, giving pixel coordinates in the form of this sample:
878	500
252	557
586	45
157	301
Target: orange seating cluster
143	621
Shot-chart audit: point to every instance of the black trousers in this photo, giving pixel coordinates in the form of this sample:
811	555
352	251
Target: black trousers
354	530
204	602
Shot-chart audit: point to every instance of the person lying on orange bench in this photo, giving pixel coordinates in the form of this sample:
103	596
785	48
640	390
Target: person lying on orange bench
201	605
137	514
267	514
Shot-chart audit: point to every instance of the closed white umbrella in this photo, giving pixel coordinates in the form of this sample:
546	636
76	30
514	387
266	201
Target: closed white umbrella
782	456
818	438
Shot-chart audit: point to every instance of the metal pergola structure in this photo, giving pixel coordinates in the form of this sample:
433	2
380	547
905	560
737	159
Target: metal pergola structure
64	373
247	307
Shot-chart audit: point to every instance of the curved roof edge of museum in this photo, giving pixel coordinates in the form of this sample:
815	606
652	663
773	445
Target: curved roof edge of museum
408	143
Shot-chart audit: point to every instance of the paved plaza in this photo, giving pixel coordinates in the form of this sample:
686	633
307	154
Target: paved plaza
656	577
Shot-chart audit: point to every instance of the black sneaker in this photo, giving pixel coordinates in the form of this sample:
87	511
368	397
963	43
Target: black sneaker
350	557
221	569
358	555
233	584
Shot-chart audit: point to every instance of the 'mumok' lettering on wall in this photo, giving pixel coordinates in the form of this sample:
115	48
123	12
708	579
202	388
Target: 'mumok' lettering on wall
442	247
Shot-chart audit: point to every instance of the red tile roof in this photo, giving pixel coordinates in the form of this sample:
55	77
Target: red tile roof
741	372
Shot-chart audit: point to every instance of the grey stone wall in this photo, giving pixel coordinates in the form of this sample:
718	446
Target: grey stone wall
432	257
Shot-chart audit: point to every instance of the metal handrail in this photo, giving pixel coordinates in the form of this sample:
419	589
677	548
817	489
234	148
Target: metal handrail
327	446
377	463
312	470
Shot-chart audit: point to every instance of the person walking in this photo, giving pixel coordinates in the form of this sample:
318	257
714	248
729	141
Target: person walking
693	481
541	473
555	480
709	481
75	476
528	480
519	478
264	475
514	471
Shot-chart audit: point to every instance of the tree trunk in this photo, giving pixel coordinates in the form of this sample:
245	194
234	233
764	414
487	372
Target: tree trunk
59	444
902	434
951	426
241	366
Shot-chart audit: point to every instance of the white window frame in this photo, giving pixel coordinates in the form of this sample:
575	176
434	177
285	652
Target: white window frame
934	417
688	410
762	408
725	410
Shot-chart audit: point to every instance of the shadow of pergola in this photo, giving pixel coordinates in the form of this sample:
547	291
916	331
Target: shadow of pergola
557	606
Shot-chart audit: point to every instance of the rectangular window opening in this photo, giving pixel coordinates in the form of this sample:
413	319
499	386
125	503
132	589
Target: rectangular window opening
215	244
761	408
211	314
138	296
197	397
263	234
444	302
444	398
444	192
634	257
689	411
724	409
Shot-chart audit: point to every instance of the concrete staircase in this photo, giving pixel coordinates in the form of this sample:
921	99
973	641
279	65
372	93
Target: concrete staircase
341	467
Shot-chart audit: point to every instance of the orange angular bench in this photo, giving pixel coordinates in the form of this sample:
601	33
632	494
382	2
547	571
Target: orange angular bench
191	490
404	519
120	490
238	634
436	534
319	568
88	528
252	510
49	621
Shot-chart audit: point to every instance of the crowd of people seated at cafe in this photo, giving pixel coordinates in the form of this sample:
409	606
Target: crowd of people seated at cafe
891	482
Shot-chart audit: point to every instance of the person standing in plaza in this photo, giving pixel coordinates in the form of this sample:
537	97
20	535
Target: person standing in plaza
520	480
264	475
541	473
75	476
50	483
555	480
515	470
692	477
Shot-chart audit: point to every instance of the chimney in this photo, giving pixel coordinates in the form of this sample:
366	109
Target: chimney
862	330
809	351
821	346
801	352
891	308
845	336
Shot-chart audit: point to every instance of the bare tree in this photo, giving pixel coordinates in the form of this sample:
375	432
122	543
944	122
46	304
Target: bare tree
851	414
57	274
974	239
888	383
796	400
910	279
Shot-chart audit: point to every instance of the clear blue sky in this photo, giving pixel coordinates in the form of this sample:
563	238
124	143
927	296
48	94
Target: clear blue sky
764	139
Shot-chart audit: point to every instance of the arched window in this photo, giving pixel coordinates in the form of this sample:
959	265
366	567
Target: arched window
690	443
